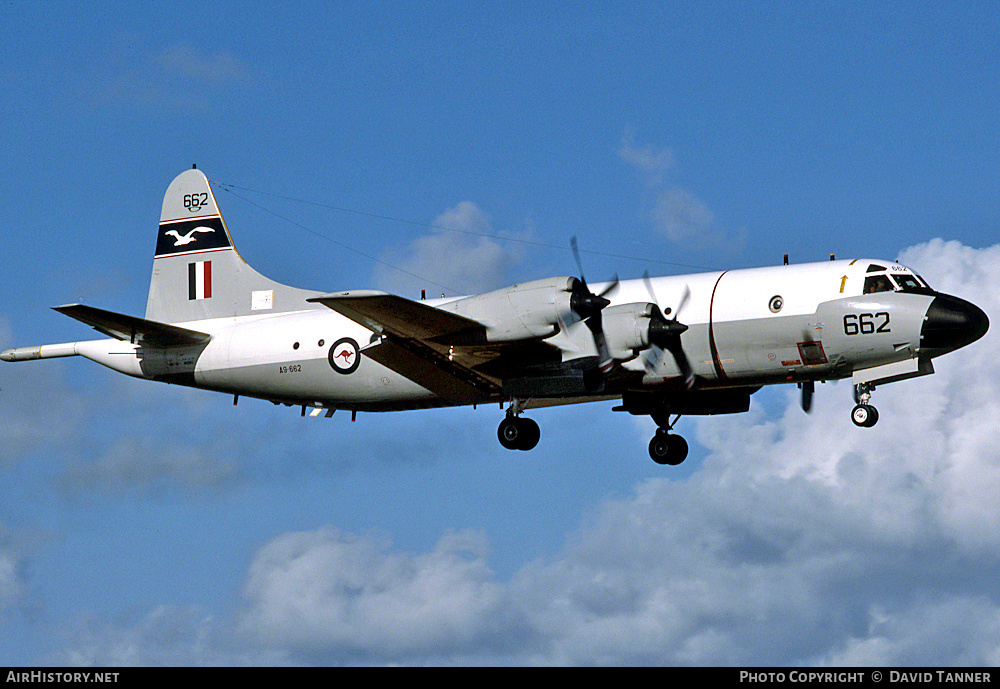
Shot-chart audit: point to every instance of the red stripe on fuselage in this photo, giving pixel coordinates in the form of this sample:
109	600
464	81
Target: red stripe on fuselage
716	361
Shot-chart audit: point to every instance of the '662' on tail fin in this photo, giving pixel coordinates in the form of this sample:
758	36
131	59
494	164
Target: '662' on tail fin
197	273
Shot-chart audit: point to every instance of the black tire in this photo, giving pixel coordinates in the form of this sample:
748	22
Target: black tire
864	416
668	449
678	450
530	434
509	433
659	448
516	433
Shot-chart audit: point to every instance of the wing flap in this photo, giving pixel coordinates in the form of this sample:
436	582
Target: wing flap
421	342
432	370
132	329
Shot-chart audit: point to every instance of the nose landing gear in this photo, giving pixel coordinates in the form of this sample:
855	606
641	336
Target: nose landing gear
864	415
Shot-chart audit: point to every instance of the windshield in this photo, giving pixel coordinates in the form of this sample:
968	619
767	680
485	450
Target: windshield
896	282
908	283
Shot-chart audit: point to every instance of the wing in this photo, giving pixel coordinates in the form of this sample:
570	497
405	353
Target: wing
136	330
387	313
444	352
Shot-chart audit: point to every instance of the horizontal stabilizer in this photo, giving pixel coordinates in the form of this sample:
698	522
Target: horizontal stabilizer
132	329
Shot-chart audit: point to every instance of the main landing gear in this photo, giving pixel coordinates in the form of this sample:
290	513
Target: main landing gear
864	414
666	448
517	433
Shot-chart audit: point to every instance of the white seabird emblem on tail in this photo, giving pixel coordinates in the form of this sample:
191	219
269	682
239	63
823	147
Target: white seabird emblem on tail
181	240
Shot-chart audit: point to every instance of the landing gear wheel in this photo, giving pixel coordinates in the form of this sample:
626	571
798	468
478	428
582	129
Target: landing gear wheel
864	416
668	449
516	433
530	434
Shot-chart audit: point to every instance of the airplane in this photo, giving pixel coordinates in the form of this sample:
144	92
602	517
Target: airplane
666	347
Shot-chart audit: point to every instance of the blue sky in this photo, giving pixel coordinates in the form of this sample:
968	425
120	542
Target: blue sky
149	524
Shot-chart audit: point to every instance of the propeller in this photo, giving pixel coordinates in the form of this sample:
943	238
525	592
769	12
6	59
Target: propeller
588	307
665	334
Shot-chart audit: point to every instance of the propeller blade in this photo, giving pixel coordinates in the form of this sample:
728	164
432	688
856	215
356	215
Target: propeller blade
683	302
588	306
682	362
666	334
651	359
612	286
605	362
579	264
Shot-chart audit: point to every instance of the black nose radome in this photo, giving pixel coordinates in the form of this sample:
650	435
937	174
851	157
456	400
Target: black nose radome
951	323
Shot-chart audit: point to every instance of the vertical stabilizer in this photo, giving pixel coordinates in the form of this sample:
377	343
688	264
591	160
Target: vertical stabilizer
197	273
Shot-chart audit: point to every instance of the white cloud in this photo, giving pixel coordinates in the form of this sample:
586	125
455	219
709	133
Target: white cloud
141	463
39	410
327	591
681	216
180	78
967	627
652	164
675	212
15	588
461	258
12	585
168	635
211	68
800	540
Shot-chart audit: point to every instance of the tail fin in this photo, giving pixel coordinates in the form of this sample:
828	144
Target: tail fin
197	273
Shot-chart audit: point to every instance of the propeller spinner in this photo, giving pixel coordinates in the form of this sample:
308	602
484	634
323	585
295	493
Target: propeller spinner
665	334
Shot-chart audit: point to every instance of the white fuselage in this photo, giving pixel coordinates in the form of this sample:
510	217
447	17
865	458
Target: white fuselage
746	327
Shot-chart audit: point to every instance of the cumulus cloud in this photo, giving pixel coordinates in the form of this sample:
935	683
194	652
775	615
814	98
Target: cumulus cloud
652	164
459	259
39	411
138	464
204	67
178	78
12	583
168	635
796	540
680	215
328	591
675	212
799	540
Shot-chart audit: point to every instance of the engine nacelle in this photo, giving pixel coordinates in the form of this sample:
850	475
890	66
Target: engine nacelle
529	310
626	328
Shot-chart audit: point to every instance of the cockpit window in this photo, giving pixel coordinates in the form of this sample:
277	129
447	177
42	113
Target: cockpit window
873	268
877	283
908	283
897	281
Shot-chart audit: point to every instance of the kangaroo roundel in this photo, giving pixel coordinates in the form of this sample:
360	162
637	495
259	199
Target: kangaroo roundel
345	356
